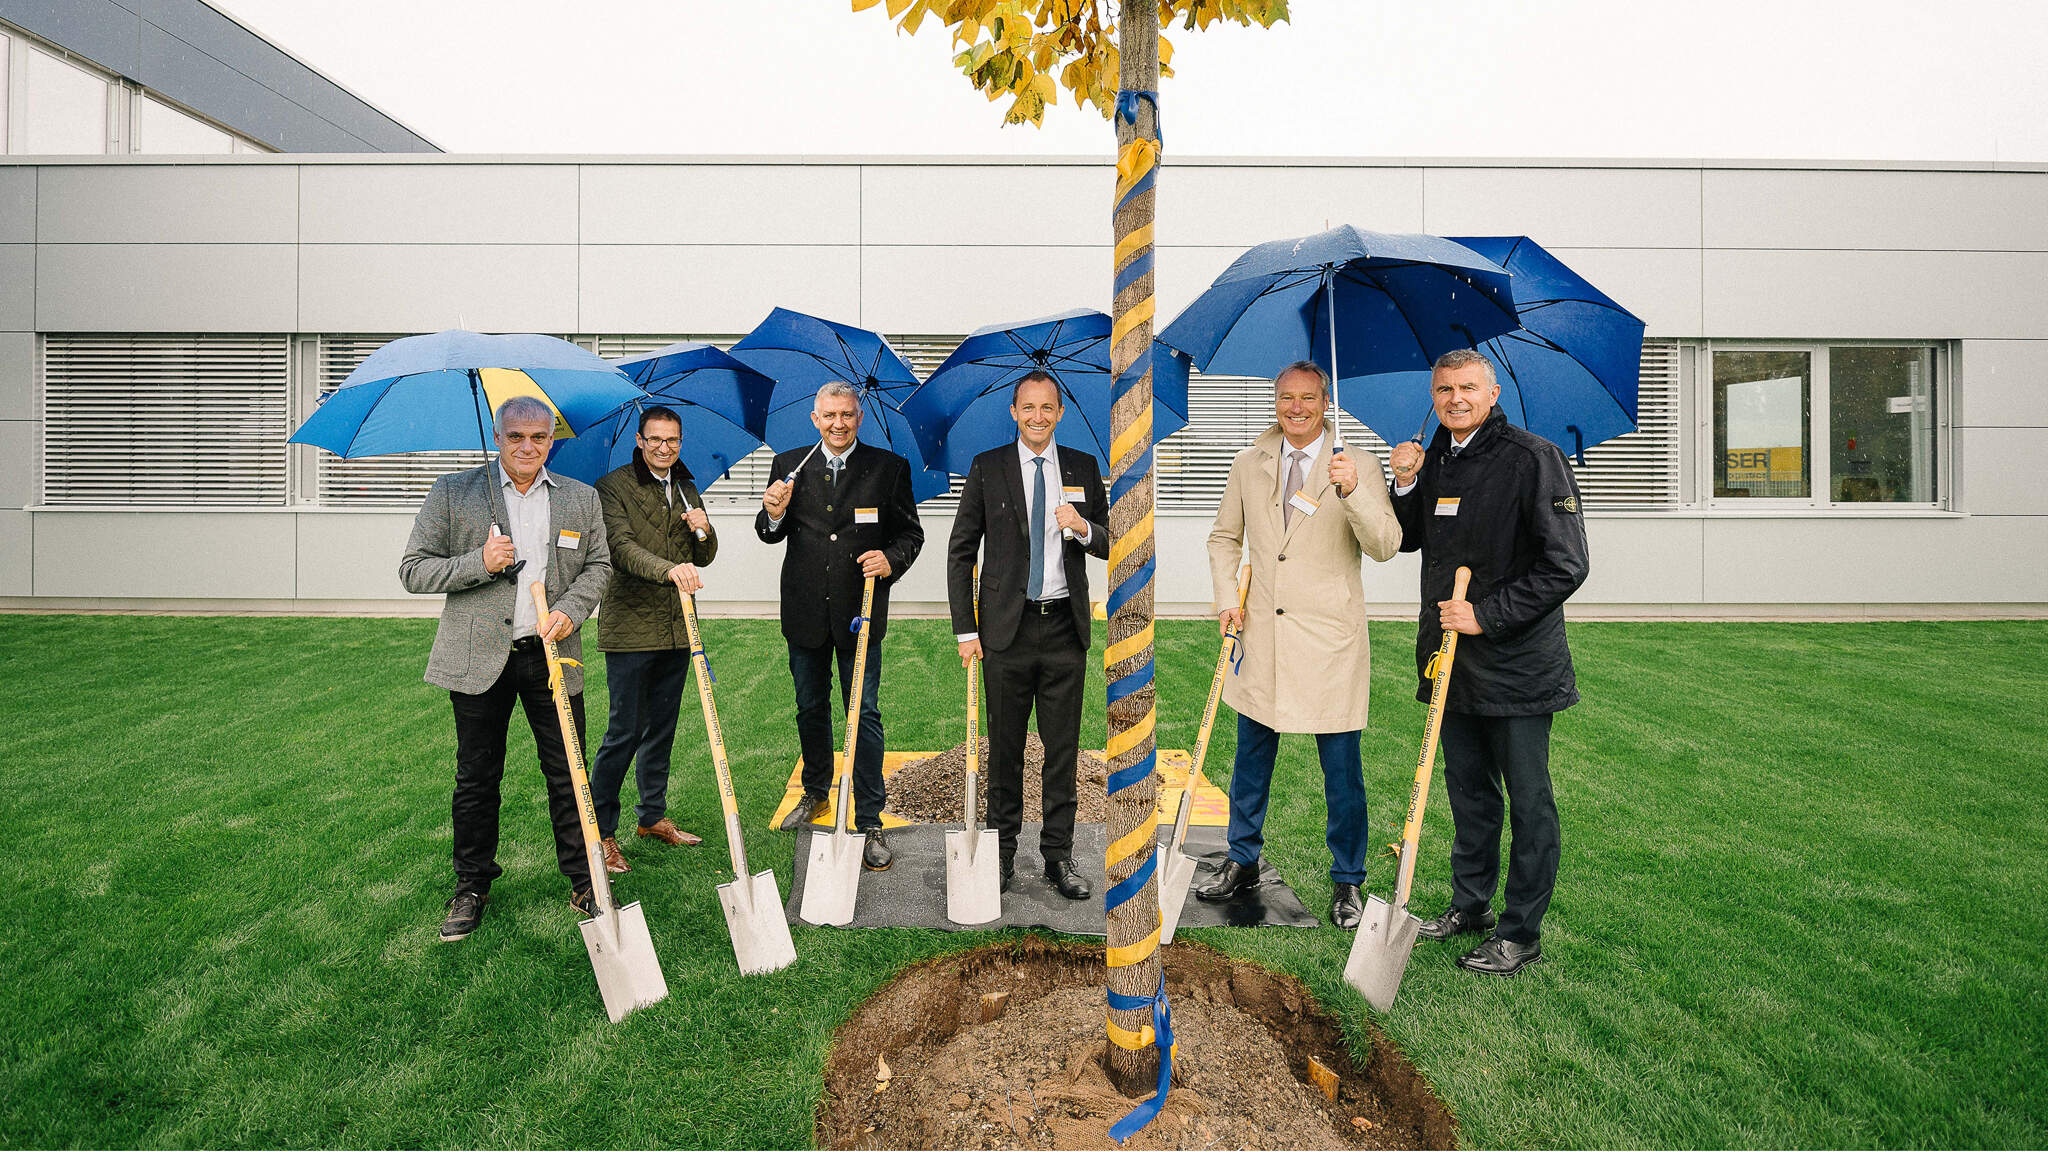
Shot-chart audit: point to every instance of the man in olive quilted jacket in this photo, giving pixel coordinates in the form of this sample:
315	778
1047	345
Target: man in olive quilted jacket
654	520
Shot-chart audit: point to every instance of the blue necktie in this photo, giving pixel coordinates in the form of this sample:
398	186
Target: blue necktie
1034	584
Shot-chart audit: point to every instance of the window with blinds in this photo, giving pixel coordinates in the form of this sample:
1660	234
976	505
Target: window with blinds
165	419
1639	471
374	481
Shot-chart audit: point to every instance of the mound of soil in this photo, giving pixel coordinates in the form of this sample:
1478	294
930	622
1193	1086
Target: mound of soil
1033	1076
927	791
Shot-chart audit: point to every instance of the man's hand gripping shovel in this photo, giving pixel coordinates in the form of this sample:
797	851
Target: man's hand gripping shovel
1379	954
752	902
621	953
1180	867
832	879
974	881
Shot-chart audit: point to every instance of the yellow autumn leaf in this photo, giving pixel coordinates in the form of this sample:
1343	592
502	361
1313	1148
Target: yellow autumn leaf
864	5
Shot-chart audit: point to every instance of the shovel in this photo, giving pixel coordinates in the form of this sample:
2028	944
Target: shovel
1379	954
622	954
1180	867
974	882
832	880
752	903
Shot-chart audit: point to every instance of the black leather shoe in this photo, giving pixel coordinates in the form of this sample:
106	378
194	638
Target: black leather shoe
875	855
465	912
1067	879
802	813
1233	879
1346	909
584	901
1457	923
1498	957
1009	872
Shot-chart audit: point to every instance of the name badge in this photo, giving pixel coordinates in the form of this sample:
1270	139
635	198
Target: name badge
867	515
1447	505
569	539
1303	504
1073	495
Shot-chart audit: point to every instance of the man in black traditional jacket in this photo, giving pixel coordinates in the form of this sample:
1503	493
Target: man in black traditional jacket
848	514
1499	500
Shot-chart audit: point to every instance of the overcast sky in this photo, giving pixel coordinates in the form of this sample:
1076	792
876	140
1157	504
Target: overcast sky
1874	79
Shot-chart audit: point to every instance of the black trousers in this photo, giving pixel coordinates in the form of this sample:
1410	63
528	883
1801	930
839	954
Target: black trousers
646	691
811	669
480	724
1044	666
1481	755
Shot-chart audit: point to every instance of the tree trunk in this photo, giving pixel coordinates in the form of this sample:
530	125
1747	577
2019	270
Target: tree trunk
1133	821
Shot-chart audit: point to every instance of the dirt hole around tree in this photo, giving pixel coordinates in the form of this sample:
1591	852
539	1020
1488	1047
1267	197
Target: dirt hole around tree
919	1066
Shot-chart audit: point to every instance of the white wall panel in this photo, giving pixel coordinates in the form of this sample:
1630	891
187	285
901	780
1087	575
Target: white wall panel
1566	207
1660	285
1061	204
166	287
17	287
943	290
721	204
1239	206
19	453
713	288
17	559
1643	560
168	204
425	287
18	205
1178	276
1877	560
1876	295
17	373
2004	383
351	556
233	555
1994	211
438	204
2005	471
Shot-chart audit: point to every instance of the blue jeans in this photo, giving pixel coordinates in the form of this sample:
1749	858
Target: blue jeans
811	668
646	695
1251	778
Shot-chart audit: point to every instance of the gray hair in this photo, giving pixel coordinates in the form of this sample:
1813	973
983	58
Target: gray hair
522	408
1308	366
836	388
1462	358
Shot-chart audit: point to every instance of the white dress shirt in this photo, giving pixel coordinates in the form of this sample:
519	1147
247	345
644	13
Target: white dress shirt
1404	489
1055	571
529	514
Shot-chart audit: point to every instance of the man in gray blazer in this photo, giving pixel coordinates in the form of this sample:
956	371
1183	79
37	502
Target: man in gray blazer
482	537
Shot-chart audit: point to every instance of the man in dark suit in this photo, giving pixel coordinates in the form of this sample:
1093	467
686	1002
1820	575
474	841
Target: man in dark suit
481	537
1036	511
847	513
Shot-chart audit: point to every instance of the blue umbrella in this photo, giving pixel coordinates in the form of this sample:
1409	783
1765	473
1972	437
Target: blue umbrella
437	393
722	403
1568	374
963	408
801	353
1399	301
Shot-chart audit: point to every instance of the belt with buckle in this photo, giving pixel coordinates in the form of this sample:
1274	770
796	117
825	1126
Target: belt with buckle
1047	607
526	644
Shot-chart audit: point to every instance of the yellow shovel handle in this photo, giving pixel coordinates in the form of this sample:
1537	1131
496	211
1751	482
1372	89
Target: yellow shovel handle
860	679
1418	797
579	780
715	734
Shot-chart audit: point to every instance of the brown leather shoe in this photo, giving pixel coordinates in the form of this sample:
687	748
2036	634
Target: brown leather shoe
614	860
665	830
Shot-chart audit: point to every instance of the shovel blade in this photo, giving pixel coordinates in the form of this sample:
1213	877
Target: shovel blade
832	881
974	878
753	918
1173	892
628	973
1379	953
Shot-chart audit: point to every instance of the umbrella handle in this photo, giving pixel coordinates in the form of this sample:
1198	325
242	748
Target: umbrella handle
701	535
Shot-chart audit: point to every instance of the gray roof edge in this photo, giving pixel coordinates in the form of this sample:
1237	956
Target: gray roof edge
339	86
1050	161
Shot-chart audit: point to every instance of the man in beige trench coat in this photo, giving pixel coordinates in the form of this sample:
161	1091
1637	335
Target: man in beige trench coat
1301	517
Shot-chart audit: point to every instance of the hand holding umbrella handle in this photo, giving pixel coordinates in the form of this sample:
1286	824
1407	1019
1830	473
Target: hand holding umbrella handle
685	501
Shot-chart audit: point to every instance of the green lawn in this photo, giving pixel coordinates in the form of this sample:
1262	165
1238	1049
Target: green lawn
1797	903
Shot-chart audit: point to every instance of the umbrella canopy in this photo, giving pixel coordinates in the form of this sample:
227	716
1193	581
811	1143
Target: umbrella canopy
1568	374
722	403
801	353
437	393
1400	300
964	407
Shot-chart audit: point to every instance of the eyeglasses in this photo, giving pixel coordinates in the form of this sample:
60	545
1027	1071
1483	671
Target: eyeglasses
664	442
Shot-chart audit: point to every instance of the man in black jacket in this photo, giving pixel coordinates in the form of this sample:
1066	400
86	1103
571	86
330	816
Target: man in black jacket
1037	511
1499	500
847	513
